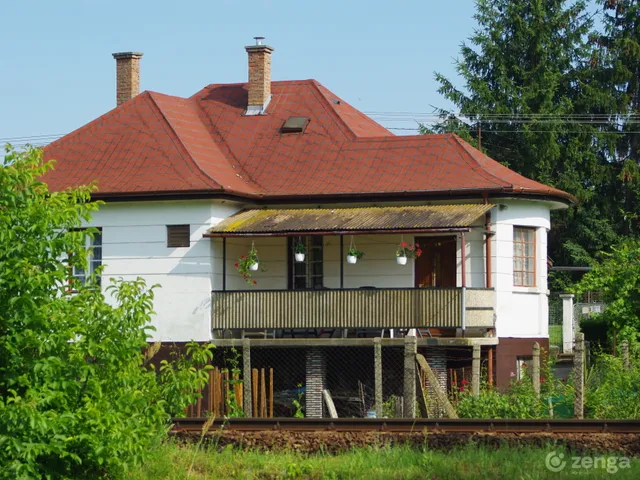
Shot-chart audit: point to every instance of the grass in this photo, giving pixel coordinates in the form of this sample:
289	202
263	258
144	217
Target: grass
173	462
555	335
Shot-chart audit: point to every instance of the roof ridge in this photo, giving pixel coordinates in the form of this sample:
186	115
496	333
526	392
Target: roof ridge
177	140
487	175
333	113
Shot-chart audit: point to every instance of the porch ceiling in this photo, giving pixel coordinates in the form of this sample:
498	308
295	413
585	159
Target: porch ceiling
317	221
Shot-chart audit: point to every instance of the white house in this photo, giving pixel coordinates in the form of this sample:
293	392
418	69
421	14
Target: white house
191	184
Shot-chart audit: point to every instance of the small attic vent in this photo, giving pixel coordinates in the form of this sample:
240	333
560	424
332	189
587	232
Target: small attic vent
295	125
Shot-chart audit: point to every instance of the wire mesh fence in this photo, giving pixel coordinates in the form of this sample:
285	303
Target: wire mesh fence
316	381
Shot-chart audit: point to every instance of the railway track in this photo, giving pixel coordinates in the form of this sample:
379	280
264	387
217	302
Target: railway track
406	425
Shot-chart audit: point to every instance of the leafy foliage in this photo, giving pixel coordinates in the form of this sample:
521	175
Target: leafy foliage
613	391
534	72
78	396
617	277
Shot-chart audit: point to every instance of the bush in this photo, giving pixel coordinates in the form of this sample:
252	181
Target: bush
78	397
613	391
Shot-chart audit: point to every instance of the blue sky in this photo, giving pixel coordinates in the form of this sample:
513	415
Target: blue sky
58	72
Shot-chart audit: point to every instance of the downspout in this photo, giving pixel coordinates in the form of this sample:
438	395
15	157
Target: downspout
463	248
488	251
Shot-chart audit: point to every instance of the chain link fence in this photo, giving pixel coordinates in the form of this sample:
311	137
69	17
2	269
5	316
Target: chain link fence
317	381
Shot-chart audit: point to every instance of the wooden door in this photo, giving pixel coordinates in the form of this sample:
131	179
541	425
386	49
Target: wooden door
436	267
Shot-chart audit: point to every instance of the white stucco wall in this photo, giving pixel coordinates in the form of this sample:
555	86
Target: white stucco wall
520	311
134	244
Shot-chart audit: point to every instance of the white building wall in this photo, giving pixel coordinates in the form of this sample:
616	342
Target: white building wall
520	311
134	244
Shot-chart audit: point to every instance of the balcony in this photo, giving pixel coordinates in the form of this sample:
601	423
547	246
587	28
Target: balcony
361	308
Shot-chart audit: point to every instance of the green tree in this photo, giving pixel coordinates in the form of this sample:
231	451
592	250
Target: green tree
527	82
617	277
78	397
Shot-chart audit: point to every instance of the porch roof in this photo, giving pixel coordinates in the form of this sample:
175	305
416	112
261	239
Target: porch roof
328	221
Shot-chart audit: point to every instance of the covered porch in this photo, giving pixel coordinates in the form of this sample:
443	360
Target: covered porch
445	292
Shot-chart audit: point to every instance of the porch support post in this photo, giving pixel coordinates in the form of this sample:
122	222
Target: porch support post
316	373
410	352
224	264
246	377
488	236
463	248
377	365
475	370
341	262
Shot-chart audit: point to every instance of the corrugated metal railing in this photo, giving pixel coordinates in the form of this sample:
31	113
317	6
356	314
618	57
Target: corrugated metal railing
348	308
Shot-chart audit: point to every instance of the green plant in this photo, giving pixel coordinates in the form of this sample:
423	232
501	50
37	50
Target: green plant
234	409
244	263
408	249
298	403
300	247
354	252
79	397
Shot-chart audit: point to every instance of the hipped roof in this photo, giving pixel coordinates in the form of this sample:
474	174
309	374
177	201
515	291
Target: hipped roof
159	144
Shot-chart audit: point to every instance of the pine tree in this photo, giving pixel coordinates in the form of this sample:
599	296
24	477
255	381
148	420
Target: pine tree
527	82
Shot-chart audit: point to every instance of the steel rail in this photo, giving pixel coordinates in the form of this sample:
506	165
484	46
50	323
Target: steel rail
407	425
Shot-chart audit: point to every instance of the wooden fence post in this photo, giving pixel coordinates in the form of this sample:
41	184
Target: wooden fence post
578	376
535	367
246	380
410	351
377	364
475	370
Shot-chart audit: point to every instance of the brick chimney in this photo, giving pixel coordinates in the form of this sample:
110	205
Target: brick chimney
259	77
127	75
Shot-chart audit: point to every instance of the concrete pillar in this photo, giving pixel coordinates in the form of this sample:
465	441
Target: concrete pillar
377	366
437	359
316	379
535	367
475	370
568	330
410	351
246	377
625	353
578	376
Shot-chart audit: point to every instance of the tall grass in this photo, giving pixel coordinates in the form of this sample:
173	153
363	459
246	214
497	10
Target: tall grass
178	462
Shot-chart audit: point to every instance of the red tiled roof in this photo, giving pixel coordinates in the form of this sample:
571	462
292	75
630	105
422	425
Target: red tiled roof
157	144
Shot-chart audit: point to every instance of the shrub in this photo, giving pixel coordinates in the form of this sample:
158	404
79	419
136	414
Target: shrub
78	396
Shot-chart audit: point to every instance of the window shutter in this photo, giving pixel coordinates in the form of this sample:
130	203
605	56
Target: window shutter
178	236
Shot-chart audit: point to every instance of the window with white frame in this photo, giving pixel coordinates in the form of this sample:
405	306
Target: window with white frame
93	243
524	257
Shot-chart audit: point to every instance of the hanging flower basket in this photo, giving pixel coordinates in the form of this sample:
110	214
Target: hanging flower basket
248	263
299	251
353	255
407	250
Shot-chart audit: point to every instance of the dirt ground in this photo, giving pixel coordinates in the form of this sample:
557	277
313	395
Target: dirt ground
335	442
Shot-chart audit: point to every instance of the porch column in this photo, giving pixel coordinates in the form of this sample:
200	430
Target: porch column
246	377
410	351
316	379
567	323
437	359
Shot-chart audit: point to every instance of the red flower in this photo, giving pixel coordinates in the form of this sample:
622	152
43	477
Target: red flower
417	245
418	252
541	379
524	364
403	244
464	382
236	265
255	282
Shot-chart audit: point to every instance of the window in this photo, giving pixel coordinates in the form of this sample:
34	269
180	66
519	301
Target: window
524	367
94	258
307	274
524	257
295	125
178	236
